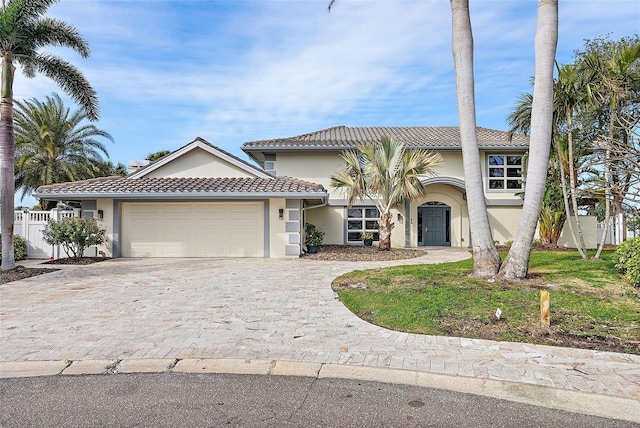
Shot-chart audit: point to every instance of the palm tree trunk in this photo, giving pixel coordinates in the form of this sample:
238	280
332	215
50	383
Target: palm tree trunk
563	185
7	188
607	187
385	228
516	264
582	248
486	260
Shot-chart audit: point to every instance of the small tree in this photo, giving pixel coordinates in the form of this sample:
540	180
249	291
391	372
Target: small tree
74	234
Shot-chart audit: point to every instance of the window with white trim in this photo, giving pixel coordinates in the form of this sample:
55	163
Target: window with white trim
505	172
359	220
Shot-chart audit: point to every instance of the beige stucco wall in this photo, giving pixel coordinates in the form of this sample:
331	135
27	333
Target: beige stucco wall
106	205
199	163
315	167
278	238
504	222
331	219
452	165
589	226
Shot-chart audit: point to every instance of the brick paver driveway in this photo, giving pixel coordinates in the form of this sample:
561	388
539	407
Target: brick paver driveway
261	309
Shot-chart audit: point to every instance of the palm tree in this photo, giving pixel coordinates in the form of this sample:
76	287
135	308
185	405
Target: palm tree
615	68
570	95
54	145
152	157
516	264
486	260
387	174
108	168
569	98
24	30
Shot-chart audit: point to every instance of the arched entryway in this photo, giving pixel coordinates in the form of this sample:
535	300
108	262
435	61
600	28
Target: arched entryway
434	224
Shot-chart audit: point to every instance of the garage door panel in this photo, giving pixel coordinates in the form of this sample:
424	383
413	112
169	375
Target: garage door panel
210	209
211	251
144	208
244	208
173	250
198	229
242	251
141	250
177	208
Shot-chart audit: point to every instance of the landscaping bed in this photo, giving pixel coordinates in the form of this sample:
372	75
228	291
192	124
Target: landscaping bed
21	272
358	253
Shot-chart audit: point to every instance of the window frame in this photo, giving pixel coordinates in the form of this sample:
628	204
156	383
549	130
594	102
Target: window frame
505	171
363	219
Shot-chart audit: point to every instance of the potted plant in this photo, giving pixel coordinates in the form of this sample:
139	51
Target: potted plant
313	238
367	238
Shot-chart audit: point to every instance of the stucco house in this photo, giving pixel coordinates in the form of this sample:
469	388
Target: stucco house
201	201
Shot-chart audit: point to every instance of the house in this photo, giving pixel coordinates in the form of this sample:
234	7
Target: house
201	201
439	218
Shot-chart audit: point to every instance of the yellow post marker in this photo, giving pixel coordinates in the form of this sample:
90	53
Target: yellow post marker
545	313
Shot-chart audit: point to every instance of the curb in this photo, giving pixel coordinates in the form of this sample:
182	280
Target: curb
560	399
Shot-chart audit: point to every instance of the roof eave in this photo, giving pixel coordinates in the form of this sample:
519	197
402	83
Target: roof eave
270	149
181	195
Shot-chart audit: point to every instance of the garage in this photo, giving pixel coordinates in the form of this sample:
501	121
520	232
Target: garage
193	229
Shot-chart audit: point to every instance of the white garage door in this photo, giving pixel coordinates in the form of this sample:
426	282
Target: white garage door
199	229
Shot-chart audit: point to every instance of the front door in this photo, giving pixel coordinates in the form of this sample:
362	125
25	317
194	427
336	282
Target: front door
433	225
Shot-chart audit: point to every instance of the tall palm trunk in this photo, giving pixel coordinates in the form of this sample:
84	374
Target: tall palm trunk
7	148
386	226
563	185
607	187
582	248
516	264
486	260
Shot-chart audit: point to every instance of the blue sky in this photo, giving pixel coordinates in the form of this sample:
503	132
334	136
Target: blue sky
236	71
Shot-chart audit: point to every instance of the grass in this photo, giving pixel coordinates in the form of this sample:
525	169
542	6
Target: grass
591	305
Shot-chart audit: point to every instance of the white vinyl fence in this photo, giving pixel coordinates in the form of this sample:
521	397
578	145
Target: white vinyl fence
30	224
615	233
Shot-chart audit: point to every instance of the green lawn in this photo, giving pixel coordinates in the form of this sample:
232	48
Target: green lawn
591	305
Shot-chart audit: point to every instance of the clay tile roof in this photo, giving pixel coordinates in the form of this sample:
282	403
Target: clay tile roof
116	186
434	137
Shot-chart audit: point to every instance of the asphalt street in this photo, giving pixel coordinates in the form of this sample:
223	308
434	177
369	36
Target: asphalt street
212	400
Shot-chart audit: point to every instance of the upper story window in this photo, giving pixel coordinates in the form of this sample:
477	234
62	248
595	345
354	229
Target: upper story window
505	172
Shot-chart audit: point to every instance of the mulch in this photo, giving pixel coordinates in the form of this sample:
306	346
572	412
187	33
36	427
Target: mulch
355	253
21	272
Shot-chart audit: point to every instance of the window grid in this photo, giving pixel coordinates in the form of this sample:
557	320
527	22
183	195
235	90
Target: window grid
505	172
362	219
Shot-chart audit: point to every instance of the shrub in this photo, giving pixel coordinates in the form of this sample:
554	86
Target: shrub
19	247
74	234
627	260
313	235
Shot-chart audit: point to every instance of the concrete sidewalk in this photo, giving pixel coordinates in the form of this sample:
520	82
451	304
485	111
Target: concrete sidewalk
281	316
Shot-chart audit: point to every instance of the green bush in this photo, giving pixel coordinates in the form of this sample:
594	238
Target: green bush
74	234
19	247
627	260
313	235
